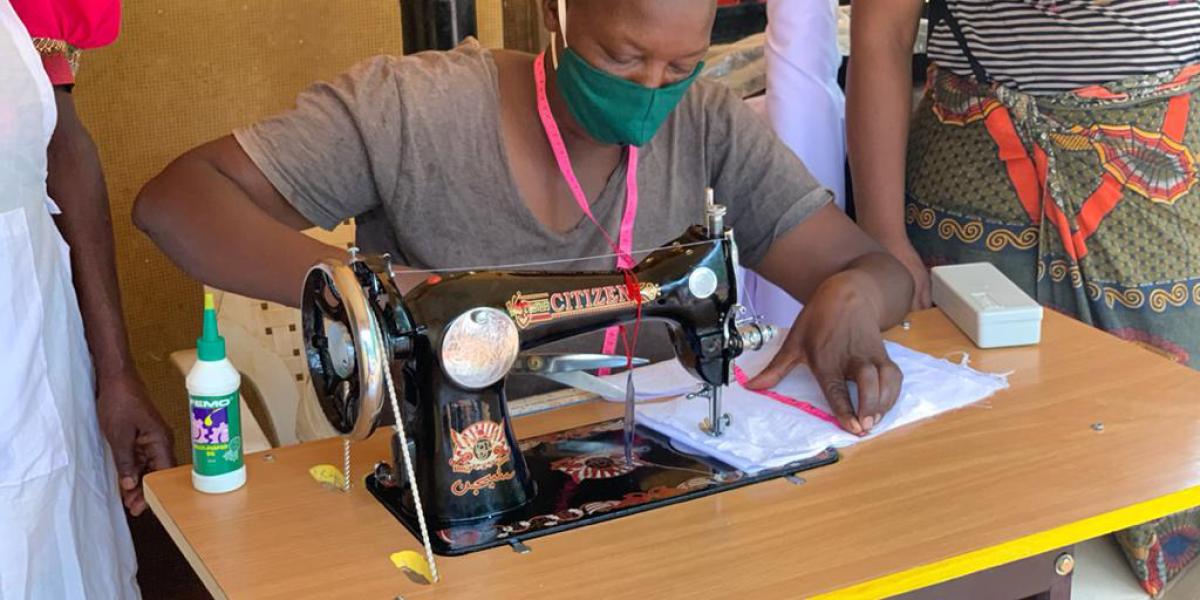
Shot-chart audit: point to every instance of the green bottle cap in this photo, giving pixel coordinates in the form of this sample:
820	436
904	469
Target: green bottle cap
210	347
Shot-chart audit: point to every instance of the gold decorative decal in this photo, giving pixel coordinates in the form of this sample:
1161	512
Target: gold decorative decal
531	309
480	446
487	482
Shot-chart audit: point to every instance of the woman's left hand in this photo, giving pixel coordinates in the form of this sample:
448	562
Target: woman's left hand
141	442
837	336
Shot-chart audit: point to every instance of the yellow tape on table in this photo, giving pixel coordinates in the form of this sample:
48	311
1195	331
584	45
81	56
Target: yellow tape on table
327	474
413	564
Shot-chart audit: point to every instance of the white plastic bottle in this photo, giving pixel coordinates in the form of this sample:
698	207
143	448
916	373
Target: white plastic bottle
214	410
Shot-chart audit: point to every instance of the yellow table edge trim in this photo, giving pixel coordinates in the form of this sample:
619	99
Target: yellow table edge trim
185	548
1020	548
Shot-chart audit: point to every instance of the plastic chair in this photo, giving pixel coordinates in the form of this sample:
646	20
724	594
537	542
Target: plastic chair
265	344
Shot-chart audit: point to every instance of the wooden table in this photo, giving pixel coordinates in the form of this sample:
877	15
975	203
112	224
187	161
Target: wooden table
1027	471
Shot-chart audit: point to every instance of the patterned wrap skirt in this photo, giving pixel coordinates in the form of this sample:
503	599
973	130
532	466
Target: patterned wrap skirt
1088	201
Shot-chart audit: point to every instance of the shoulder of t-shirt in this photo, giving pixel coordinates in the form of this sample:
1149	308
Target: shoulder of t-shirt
713	111
420	95
708	97
452	74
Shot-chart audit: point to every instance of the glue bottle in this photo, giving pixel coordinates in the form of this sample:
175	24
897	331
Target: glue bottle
214	411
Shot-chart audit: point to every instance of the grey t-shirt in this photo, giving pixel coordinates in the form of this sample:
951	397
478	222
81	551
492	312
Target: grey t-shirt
411	148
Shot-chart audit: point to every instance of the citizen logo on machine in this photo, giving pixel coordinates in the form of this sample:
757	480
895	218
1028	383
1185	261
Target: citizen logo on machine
478	447
532	309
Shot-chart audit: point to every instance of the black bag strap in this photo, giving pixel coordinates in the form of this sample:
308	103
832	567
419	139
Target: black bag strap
939	12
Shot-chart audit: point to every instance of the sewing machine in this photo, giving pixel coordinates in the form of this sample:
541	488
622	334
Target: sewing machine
452	342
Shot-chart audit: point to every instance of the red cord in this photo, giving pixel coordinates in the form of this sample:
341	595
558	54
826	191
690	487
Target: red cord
634	288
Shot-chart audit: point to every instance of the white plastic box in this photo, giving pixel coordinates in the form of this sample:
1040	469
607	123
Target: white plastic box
987	306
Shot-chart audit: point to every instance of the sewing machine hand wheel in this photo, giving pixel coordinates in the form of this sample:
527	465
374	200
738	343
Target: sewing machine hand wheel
343	346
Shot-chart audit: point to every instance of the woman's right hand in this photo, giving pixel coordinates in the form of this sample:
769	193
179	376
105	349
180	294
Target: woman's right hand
903	250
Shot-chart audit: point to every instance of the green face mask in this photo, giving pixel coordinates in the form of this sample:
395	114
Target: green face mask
614	110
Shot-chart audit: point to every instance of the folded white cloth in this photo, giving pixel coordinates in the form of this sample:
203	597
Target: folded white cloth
767	433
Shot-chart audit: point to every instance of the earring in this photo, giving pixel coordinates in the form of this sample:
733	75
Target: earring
562	18
562	25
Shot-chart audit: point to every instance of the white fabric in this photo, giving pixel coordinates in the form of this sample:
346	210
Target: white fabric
807	110
62	528
765	433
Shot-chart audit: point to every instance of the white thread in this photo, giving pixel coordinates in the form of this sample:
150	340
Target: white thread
408	466
346	464
540	263
562	20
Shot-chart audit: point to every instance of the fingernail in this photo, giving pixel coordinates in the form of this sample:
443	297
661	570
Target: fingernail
855	427
868	423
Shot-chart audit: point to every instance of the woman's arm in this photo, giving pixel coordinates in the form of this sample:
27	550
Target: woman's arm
215	214
139	438
878	110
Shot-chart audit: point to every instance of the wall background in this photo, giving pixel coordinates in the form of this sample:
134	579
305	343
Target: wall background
183	73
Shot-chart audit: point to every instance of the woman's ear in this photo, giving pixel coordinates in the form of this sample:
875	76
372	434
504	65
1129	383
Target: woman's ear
550	17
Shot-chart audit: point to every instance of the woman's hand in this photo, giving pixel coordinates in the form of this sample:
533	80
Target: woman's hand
852	289
141	442
837	336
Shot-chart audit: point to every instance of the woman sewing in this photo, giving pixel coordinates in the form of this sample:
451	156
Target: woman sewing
476	157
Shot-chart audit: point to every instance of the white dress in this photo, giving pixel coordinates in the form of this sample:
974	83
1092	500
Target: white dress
807	110
62	528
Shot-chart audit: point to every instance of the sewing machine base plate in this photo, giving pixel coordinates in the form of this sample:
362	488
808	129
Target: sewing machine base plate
582	478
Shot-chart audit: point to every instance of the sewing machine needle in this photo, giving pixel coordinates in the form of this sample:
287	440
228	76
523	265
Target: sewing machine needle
630	404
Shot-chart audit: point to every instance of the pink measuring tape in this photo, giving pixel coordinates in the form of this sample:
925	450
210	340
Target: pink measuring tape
623	247
807	408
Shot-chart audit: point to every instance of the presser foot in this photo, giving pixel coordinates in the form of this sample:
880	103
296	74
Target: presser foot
717	420
707	425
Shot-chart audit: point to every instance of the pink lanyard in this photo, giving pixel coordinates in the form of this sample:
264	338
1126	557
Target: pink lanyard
624	246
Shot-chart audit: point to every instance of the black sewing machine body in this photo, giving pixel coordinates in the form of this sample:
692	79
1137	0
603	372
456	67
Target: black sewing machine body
550	306
452	342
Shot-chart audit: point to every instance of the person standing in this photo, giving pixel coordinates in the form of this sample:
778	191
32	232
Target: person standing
68	411
1057	140
807	110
